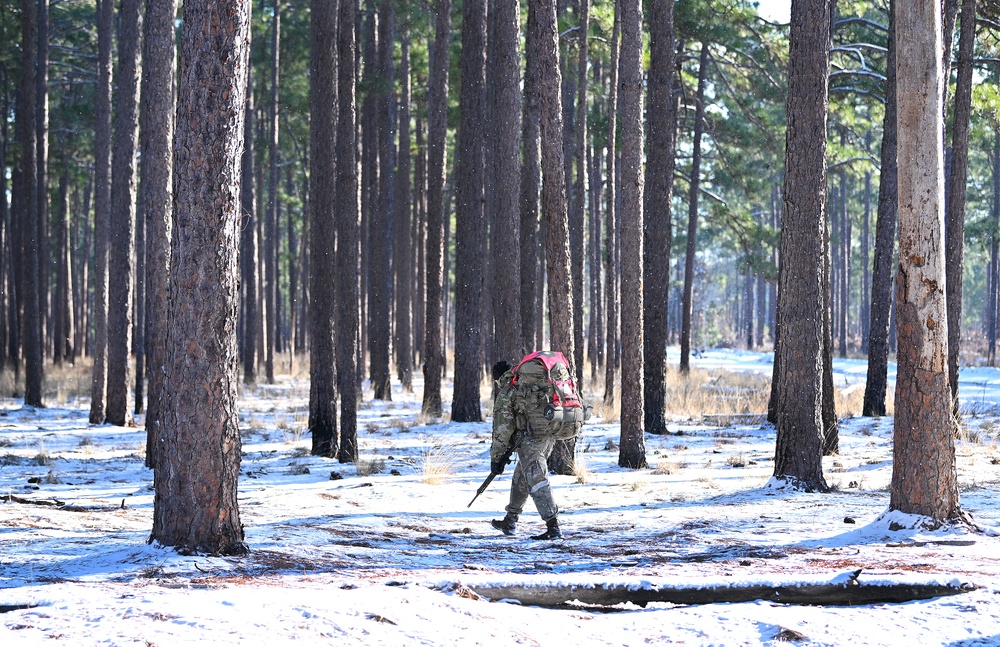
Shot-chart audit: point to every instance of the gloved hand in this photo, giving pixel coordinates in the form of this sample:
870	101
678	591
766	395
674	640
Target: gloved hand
497	467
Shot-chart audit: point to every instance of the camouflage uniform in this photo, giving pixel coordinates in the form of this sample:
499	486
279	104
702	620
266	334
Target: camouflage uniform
530	474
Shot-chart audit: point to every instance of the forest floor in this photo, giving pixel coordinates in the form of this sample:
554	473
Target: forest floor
388	552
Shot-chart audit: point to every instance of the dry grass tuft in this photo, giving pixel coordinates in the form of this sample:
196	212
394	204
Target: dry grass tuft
369	467
438	462
716	392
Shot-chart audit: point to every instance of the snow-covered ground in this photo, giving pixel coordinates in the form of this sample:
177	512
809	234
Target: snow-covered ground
385	553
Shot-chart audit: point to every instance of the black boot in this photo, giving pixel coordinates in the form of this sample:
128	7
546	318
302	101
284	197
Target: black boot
552	530
507	525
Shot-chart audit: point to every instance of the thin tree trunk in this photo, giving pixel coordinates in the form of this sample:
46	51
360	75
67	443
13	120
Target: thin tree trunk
611	226
864	317
437	106
692	228
30	238
632	450
62	304
380	229
506	236
885	237
348	216
658	225
157	194
994	253
403	254
249	244
323	80
271	317
121	260
955	204
579	202
42	174
469	217
530	189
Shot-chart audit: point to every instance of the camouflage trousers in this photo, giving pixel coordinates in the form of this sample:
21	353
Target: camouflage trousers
530	478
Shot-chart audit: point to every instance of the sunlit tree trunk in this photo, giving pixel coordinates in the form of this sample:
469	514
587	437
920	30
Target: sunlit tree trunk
195	507
803	308
924	478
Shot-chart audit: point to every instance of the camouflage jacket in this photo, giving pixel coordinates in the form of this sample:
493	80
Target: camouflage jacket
504	416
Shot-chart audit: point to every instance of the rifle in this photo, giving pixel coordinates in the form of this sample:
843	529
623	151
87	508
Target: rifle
505	459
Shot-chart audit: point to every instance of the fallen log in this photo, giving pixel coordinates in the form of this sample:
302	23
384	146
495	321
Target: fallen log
847	589
13	498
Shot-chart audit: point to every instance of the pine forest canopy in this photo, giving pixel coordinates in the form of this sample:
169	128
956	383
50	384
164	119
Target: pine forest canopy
497	156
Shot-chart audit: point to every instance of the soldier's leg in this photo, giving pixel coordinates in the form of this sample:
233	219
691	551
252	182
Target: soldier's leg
532	456
518	490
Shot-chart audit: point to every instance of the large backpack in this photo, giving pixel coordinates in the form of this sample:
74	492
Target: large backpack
545	394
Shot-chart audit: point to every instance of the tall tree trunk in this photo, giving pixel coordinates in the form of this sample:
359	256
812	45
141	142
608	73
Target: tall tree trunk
611	226
632	452
30	220
42	164
437	117
955	204
554	207
885	238
403	253
692	228
994	252
595	178
380	230
369	173
799	388
62	311
844	243
195	508
924	477
295	256
323	75
579	201
121	260
864	317
658	225
348	217
7	296
530	188
249	252
82	256
506	235
419	240
157	194
555	215
469	217
271	318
